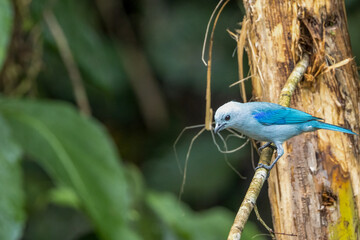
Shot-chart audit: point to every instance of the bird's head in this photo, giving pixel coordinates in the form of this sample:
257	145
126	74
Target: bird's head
225	116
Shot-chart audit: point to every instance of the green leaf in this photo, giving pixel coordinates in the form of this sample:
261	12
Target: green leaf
64	196
12	214
183	223
76	151
6	17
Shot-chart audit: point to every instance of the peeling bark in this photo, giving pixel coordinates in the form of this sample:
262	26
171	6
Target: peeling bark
314	189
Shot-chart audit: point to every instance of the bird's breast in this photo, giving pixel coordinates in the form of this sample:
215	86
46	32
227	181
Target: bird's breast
269	133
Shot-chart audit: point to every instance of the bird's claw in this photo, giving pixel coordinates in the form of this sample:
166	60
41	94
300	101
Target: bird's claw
273	147
265	146
260	165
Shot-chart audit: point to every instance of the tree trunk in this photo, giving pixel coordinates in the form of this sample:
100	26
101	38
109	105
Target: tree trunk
314	189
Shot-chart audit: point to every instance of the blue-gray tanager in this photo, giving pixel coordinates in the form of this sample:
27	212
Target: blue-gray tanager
269	122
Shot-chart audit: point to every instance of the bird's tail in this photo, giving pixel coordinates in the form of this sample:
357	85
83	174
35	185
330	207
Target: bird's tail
322	125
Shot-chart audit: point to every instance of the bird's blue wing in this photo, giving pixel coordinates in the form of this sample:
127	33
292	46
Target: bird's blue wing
282	116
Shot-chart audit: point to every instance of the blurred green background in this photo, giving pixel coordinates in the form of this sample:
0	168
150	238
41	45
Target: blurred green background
67	173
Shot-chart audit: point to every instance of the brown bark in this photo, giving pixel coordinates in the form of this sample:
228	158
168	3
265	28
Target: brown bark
314	189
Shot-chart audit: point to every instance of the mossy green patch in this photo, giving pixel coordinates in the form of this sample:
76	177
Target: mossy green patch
345	227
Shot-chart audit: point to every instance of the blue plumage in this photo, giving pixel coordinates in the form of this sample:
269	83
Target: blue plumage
282	115
322	125
269	122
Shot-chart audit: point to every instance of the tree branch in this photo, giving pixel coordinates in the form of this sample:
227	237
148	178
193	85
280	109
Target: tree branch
265	158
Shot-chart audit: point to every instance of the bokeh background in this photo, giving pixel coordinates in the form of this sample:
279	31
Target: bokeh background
140	64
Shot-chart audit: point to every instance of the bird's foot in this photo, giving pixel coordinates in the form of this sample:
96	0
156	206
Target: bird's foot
267	145
260	165
273	147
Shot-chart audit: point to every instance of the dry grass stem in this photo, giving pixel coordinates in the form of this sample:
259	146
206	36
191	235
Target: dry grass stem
69	61
177	140
263	223
208	110
337	65
242	81
241	40
255	61
207	32
187	161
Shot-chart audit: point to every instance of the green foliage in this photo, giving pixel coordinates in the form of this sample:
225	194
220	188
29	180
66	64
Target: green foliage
64	196
163	216
12	214
182	223
6	16
77	153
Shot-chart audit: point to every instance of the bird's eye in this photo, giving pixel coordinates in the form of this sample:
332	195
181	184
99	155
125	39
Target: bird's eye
227	118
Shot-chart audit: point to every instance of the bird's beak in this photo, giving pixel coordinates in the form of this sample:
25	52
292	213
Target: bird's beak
219	127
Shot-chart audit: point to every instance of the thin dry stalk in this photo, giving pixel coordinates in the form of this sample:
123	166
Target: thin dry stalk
241	81
271	232
208	110
207	32
187	161
337	65
177	140
256	60
69	61
240	53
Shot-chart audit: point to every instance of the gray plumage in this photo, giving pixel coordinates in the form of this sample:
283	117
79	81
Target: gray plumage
269	122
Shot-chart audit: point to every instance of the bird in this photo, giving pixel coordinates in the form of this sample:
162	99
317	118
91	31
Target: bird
269	122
